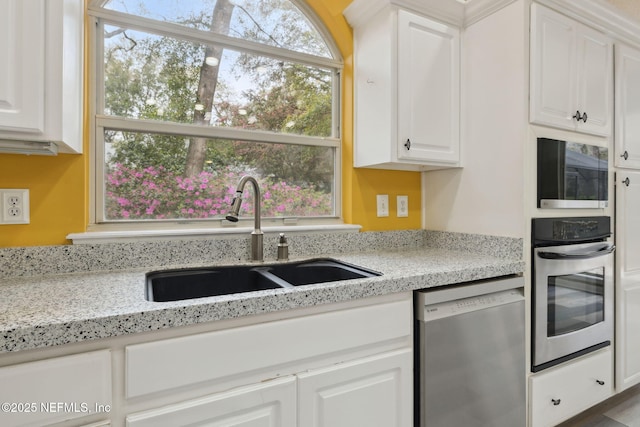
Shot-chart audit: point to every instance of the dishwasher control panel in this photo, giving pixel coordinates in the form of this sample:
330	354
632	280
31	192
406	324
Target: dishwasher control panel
465	305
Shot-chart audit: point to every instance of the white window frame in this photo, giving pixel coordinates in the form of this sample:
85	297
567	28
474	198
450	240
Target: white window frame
98	122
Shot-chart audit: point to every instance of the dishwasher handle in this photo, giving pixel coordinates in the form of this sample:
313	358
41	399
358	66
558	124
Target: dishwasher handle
465	306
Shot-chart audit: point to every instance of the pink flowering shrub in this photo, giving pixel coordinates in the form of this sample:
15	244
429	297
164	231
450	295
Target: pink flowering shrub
155	193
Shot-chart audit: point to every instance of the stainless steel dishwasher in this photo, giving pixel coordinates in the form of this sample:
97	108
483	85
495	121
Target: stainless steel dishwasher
470	355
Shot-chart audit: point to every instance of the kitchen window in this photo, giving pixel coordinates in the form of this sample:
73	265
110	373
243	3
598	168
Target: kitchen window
190	95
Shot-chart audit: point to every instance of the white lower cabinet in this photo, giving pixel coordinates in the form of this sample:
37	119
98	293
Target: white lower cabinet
59	389
627	277
231	353
268	404
342	368
372	392
628	356
346	364
561	392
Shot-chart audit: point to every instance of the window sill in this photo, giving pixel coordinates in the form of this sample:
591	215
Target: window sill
121	236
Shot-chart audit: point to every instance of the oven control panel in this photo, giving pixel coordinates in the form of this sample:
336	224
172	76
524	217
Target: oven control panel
466	305
569	230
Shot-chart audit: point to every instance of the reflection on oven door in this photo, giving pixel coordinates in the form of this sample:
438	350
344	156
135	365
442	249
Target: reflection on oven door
574	302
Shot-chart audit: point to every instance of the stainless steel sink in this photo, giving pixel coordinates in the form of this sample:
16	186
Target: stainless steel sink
175	285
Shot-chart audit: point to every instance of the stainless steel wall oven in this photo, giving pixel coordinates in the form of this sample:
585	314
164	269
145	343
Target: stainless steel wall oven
572	290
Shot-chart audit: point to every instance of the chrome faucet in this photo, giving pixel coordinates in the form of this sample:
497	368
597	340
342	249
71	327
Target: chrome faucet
256	235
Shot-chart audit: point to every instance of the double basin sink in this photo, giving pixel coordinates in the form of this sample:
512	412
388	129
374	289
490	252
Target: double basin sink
175	285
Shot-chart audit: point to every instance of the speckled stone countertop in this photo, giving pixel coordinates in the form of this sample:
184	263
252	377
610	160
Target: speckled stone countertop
100	293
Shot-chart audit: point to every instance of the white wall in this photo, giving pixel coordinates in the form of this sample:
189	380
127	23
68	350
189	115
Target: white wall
630	7
486	195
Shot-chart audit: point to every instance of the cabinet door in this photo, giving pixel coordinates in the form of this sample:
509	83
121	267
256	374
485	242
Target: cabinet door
428	90
372	392
553	69
628	336
627	82
268	404
22	26
41	72
595	84
627	278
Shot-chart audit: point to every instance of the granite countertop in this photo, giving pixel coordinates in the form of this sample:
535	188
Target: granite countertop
43	310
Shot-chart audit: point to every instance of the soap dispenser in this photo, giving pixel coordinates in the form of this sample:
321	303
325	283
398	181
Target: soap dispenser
283	248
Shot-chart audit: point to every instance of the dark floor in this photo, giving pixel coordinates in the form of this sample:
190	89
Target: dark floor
622	410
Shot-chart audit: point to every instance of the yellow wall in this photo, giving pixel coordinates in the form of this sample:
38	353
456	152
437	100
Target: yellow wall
59	185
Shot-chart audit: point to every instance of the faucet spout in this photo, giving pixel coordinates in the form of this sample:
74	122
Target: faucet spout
256	235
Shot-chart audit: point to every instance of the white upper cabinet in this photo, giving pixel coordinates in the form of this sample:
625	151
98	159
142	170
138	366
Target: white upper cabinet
571	74
41	72
428	90
627	134
407	89
21	71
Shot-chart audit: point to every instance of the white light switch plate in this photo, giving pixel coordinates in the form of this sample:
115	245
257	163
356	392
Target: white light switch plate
382	202
15	206
402	206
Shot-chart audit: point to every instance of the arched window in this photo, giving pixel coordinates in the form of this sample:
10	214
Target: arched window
190	95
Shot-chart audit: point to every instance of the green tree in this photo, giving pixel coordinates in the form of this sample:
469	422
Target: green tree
162	78
150	78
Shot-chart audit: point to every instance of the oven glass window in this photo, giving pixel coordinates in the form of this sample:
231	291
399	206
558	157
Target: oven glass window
575	301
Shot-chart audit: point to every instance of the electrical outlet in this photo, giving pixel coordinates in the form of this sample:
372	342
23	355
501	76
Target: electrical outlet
15	206
402	206
382	202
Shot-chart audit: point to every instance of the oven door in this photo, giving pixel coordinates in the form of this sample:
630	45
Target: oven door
573	301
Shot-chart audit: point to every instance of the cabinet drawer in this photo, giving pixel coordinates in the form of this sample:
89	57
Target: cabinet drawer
272	403
567	390
164	365
57	389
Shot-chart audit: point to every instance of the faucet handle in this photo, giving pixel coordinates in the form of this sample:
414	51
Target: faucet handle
283	248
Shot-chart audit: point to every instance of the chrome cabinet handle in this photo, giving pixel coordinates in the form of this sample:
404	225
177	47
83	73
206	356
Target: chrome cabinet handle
555	402
408	144
625	155
626	181
600	382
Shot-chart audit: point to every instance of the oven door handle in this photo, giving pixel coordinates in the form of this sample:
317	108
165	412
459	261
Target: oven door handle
603	249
